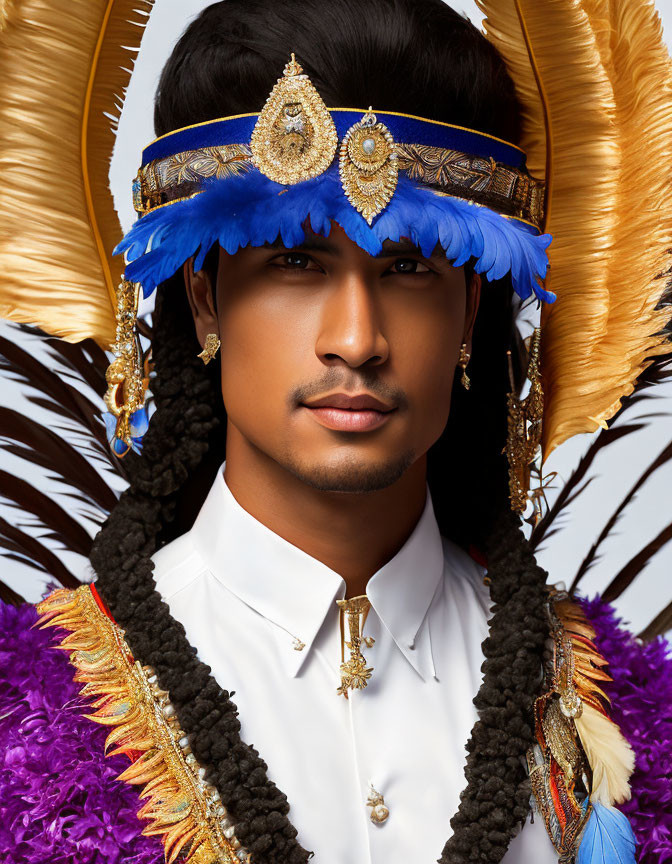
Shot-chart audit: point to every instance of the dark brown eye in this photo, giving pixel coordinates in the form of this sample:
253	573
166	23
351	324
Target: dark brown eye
296	260
408	265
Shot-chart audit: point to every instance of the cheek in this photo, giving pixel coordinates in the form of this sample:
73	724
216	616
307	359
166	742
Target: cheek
264	353
425	355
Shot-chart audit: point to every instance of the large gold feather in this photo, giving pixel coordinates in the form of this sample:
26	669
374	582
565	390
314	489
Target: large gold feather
596	76
64	67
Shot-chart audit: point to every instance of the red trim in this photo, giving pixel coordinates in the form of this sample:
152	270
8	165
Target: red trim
478	556
101	603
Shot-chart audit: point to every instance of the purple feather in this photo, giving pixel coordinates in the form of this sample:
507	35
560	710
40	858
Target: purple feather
250	210
59	799
641	695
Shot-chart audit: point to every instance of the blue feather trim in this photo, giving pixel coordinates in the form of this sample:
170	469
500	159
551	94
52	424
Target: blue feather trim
607	838
250	210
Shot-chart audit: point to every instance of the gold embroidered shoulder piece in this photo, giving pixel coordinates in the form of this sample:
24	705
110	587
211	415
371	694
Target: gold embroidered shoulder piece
581	755
181	806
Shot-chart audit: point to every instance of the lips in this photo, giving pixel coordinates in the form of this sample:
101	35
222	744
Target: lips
344	413
362	402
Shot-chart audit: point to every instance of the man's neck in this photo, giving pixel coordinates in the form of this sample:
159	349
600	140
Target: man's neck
354	534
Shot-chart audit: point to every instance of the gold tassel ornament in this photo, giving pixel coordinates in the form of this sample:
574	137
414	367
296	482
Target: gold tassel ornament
524	427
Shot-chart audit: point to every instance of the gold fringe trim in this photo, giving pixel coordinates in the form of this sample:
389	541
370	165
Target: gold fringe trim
599	119
181	807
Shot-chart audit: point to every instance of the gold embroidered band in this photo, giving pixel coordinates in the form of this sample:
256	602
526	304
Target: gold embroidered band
510	191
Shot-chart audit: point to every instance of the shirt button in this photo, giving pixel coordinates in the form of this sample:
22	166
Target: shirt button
379	810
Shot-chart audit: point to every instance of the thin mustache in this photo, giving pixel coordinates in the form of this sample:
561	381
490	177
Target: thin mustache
352	385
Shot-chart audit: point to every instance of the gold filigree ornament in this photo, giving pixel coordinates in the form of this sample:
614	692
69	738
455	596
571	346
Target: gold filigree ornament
294	138
368	166
523	443
180	806
127	375
354	671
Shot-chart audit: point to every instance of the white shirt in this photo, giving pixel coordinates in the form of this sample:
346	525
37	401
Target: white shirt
244	595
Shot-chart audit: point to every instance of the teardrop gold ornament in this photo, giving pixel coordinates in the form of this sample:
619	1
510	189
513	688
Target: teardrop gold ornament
368	166
294	138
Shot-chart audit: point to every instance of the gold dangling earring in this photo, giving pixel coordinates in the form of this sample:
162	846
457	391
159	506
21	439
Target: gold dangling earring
212	344
463	361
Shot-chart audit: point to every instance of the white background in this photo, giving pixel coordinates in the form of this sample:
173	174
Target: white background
614	472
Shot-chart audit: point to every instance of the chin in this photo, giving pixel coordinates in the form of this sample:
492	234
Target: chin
350	474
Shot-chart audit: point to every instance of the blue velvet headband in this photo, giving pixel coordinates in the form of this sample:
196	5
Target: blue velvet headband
247	180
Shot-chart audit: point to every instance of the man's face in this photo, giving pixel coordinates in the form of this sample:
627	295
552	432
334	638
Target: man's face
335	364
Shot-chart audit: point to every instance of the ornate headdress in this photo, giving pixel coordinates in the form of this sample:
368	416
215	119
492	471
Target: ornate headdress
596	132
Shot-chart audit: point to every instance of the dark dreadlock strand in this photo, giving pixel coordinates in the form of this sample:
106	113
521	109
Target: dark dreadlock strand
401	56
496	799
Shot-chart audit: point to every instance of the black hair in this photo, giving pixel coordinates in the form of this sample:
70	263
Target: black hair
412	56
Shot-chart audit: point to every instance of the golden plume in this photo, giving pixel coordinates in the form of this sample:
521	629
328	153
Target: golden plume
64	67
595	81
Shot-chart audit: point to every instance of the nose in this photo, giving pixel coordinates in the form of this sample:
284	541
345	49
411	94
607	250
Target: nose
351	325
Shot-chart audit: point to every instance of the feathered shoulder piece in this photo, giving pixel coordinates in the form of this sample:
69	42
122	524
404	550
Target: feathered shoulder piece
581	764
97	699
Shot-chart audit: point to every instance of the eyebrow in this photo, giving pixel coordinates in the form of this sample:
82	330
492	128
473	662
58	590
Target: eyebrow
322	244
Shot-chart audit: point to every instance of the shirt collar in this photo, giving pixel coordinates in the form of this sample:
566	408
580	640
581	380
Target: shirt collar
296	591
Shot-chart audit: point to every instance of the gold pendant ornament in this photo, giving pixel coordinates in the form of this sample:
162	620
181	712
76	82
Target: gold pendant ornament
127	375
210	349
354	672
523	440
294	138
463	362
368	166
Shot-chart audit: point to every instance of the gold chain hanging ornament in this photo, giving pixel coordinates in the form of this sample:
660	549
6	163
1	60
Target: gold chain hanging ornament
127	376
354	672
524	429
463	362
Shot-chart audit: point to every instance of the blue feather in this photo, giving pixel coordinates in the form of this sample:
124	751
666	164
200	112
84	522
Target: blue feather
607	838
250	210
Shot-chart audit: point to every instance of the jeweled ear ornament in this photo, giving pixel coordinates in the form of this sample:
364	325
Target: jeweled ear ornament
463	362
210	349
368	166
294	138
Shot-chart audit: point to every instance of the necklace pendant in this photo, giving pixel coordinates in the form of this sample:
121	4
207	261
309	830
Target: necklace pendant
354	671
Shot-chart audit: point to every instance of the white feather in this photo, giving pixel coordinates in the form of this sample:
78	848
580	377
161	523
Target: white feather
610	756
